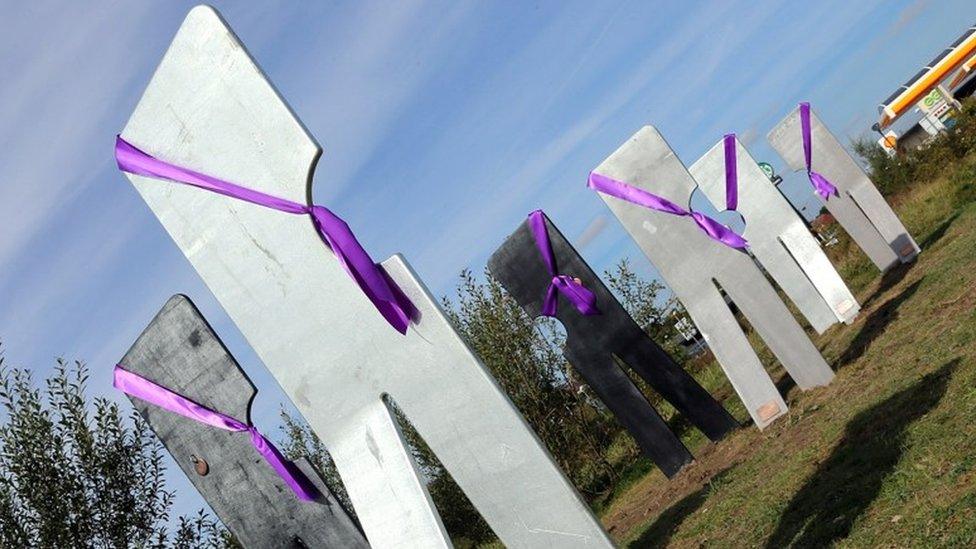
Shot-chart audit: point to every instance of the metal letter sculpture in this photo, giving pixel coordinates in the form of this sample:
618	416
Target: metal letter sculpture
210	108
859	208
180	351
779	239
593	341
692	263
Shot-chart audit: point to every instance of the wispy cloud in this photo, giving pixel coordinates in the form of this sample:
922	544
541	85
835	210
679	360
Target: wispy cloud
908	15
443	125
52	115
377	62
592	231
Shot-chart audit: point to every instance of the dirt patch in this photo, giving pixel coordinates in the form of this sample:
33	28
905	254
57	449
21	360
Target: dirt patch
652	495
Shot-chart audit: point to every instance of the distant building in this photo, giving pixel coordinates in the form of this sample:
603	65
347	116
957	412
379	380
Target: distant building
931	95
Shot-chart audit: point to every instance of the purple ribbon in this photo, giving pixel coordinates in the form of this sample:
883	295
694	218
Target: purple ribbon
731	173
577	294
715	230
336	234
143	389
820	183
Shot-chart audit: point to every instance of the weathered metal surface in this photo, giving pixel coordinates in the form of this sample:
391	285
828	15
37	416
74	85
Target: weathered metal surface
860	208
593	341
692	264
210	108
180	351
779	239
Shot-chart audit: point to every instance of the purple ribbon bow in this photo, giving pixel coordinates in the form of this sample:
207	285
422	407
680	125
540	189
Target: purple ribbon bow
731	173
715	230
336	234
143	389
820	183
583	299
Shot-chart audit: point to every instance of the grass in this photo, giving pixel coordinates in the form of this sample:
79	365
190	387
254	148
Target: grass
883	456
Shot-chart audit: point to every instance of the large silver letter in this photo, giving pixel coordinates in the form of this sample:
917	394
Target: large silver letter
210	108
860	208
779	239
692	264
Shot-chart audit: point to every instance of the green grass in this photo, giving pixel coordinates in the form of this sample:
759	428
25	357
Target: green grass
885	455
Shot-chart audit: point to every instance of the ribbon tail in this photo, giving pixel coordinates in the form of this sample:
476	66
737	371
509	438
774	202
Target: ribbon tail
581	297
293	477
549	303
393	305
822	185
719	232
731	173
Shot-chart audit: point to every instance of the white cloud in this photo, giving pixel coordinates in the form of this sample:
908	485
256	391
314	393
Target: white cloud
64	86
592	231
352	86
521	175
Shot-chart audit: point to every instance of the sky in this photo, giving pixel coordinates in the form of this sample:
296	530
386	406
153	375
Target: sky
443	124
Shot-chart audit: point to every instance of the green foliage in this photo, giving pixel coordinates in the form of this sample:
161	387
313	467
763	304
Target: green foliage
202	531
894	174
302	442
76	474
526	358
641	300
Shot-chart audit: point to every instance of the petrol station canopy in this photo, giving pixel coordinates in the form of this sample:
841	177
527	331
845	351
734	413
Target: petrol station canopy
961	54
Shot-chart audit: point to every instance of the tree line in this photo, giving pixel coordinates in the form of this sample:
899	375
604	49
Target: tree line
80	472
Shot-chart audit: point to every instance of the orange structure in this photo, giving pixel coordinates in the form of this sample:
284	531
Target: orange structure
967	68
962	52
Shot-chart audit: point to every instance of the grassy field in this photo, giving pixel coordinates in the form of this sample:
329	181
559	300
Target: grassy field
884	456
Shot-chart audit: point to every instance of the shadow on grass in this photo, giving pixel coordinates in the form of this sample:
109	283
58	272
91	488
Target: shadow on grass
875	325
888	280
785	384
892	276
939	231
679	425
659	533
824	509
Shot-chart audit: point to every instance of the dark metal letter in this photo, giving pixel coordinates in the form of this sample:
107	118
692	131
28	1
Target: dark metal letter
593	341
180	351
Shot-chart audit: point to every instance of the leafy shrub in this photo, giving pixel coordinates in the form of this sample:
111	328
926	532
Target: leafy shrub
77	474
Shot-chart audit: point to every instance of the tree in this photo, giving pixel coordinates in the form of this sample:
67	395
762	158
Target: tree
641	300
302	442
75	473
526	358
892	174
889	173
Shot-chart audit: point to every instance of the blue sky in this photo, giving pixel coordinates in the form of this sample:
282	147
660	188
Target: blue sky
443	124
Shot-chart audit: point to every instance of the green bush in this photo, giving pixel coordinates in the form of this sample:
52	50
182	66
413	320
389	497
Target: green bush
75	473
936	158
